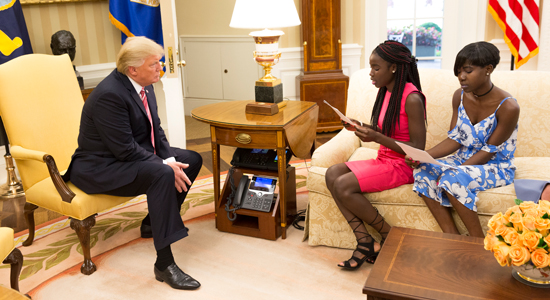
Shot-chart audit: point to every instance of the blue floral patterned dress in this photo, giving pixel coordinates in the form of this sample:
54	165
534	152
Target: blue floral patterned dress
465	182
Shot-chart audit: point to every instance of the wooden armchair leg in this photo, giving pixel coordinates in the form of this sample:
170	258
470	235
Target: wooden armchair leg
29	217
15	259
82	229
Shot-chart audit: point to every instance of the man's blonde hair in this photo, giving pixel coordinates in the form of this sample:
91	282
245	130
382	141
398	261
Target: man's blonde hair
134	52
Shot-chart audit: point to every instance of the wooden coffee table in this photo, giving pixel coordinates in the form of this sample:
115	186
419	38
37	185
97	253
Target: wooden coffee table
418	264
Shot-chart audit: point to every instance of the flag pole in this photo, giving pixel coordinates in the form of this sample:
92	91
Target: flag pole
512	63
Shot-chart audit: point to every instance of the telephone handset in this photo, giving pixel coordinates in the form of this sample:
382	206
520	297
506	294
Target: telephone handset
236	196
256	194
242	190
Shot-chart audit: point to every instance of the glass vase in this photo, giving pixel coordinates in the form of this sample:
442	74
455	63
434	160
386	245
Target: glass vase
527	273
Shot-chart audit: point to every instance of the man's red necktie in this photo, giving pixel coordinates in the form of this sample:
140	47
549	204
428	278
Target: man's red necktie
146	104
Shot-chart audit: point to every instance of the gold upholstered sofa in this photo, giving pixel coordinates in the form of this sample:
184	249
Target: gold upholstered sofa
400	206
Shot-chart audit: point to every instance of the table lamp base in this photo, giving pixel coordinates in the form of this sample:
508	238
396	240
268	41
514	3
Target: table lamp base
269	94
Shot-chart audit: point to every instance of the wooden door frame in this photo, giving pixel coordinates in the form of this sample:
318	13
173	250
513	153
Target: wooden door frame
171	81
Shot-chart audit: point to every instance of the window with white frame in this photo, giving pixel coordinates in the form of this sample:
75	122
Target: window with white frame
418	24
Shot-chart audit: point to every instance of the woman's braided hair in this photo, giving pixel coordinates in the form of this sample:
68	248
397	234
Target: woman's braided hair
395	53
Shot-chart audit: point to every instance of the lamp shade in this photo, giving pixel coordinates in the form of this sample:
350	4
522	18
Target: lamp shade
257	14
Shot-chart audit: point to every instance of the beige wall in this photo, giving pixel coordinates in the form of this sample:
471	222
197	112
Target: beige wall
97	40
212	17
352	24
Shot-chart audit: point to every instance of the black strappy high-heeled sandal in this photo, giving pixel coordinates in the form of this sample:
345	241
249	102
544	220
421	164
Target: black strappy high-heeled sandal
373	257
367	248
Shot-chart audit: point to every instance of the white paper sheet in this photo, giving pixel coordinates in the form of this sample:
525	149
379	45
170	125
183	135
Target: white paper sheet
341	115
421	155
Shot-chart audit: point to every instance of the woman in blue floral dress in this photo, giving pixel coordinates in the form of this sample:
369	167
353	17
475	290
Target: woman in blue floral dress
480	145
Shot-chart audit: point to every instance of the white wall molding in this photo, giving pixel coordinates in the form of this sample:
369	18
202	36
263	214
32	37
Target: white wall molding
351	58
93	74
215	38
198	97
505	54
290	65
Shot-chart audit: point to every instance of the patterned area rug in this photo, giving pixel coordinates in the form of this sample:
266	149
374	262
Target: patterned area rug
125	261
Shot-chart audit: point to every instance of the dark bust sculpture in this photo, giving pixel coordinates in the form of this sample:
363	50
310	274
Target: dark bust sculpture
63	42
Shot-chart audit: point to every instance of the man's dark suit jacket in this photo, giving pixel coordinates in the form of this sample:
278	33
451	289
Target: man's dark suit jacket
115	136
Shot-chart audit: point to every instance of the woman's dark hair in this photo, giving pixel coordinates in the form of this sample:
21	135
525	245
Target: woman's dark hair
479	54
395	53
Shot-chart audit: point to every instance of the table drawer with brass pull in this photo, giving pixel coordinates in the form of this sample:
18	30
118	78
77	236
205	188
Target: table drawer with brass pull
246	138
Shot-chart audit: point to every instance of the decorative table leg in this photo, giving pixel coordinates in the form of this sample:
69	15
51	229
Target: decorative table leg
82	229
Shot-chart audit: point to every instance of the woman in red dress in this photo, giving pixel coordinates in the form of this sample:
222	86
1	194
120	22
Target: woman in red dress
398	115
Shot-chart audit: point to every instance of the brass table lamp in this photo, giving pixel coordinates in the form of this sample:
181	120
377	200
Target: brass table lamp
258	14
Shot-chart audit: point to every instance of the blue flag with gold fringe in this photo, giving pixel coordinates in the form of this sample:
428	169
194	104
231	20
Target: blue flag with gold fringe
14	37
14	42
137	18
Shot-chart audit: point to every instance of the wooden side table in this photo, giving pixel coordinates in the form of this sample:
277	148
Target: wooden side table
419	264
255	223
86	93
294	126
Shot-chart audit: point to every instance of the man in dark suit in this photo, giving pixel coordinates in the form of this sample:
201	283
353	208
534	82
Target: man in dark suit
123	151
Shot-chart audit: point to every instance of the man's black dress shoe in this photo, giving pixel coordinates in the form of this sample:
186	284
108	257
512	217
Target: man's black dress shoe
176	278
146	231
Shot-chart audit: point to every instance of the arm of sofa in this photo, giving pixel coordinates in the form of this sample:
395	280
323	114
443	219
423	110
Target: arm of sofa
337	150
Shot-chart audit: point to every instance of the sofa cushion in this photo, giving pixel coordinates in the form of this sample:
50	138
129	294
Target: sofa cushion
490	202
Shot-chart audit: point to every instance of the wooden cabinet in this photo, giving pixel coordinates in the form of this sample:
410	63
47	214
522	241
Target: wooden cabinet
218	69
86	93
323	78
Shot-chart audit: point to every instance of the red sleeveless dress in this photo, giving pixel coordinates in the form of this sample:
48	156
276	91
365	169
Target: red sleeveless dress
389	169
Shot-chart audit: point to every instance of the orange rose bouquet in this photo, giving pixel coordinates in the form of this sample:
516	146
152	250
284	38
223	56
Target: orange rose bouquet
520	238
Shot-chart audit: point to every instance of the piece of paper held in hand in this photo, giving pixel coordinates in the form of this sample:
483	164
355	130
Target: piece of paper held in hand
421	155
341	115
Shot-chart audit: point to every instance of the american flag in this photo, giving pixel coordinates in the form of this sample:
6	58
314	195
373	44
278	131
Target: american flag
519	20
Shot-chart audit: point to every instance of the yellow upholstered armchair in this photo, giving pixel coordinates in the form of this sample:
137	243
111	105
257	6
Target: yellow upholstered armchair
10	255
40	104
